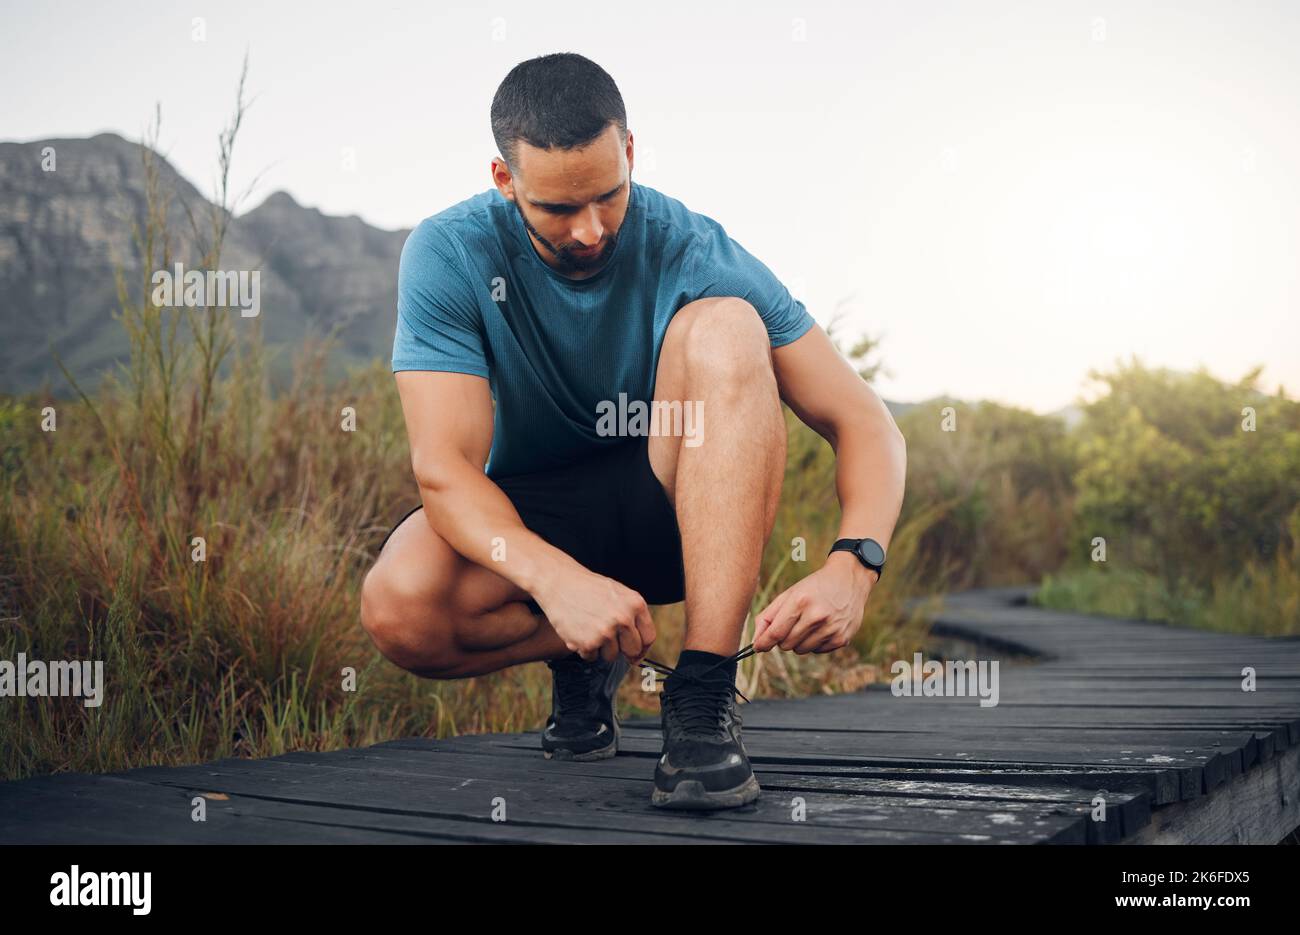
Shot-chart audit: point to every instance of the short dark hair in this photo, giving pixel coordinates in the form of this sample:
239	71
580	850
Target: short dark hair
561	100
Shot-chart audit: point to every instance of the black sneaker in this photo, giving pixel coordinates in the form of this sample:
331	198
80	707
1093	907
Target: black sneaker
584	714
704	763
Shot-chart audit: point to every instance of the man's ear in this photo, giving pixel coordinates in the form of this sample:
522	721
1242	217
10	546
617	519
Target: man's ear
502	178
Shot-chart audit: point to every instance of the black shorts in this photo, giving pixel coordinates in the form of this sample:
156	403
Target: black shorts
610	513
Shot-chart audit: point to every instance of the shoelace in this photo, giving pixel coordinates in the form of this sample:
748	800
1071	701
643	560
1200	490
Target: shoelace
698	710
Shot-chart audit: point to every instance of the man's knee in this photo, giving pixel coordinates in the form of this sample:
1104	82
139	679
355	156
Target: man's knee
723	335
409	627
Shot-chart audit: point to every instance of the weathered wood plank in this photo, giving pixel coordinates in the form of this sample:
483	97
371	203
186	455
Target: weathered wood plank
1258	807
1164	782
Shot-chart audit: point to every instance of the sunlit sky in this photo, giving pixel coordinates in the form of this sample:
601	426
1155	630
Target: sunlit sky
1006	194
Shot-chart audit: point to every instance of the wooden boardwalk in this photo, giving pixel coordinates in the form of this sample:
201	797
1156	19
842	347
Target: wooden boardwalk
1149	719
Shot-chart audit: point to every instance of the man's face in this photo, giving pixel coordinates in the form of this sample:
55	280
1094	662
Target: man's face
572	201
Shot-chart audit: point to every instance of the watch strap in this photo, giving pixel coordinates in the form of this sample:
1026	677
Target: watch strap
851	545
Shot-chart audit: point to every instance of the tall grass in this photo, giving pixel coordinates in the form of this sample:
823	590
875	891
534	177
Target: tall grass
1263	599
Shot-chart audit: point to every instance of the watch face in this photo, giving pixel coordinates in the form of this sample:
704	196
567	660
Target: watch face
870	550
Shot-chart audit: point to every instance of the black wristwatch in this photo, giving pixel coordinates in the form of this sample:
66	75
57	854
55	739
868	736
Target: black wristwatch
869	552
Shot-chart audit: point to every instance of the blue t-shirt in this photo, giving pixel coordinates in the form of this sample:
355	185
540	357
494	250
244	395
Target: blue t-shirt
474	297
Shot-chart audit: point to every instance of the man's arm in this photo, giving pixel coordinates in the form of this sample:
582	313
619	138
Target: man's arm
449	424
822	612
829	396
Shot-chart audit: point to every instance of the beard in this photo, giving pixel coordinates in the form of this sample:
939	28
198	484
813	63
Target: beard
565	258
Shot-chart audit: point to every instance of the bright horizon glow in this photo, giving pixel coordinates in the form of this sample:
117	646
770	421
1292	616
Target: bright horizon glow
1008	194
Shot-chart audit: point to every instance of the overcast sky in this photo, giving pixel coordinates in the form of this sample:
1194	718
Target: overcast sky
1007	193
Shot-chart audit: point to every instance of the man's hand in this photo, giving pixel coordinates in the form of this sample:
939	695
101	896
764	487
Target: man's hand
596	616
820	613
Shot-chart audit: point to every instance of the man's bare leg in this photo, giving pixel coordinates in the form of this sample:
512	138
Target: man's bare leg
438	615
725	490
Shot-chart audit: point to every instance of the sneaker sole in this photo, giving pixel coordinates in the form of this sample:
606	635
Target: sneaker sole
691	794
604	753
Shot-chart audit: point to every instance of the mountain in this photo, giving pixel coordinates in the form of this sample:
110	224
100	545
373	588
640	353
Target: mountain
62	232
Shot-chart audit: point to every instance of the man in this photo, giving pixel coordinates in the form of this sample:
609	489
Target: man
576	300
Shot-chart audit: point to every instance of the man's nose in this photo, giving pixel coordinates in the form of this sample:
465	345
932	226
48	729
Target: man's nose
588	230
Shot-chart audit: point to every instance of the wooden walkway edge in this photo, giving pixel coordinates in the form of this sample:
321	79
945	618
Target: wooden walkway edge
1142	723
